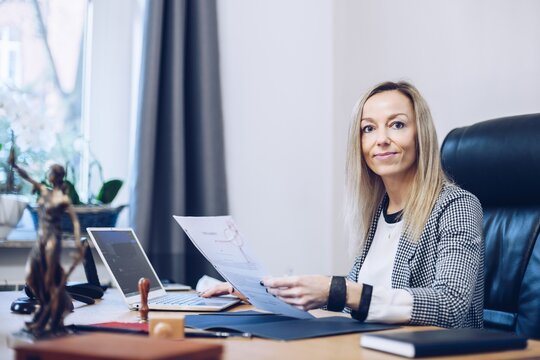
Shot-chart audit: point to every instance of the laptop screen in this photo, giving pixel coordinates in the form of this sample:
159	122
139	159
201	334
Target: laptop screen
126	259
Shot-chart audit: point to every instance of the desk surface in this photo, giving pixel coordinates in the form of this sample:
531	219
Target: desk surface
112	308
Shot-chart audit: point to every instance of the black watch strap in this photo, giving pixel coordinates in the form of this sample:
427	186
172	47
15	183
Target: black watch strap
365	302
337	296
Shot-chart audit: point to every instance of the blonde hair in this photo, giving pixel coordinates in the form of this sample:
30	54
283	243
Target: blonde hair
365	189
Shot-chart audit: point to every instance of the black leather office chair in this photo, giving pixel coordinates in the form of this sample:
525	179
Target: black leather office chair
499	161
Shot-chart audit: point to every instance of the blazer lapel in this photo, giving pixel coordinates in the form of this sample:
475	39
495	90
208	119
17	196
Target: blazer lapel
371	232
401	273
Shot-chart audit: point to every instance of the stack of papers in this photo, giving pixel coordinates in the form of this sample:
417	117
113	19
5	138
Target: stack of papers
220	241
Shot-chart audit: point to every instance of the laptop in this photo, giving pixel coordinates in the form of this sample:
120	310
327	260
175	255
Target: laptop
126	261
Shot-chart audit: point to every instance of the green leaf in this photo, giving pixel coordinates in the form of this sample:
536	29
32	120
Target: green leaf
109	190
72	193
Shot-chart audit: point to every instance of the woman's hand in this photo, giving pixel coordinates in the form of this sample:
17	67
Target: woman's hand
304	292
223	289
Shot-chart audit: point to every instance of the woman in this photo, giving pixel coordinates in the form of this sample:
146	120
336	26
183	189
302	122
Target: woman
419	237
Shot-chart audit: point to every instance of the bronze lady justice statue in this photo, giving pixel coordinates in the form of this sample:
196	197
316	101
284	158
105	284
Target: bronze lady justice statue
44	275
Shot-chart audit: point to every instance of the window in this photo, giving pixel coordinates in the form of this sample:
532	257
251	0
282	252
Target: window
10	53
56	55
41	76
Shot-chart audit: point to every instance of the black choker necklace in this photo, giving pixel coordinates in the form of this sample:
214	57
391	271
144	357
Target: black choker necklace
391	218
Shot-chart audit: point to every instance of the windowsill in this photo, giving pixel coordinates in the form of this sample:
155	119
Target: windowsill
18	244
24	235
29	243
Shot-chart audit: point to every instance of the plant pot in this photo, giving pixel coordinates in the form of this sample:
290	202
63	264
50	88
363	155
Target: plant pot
11	210
89	216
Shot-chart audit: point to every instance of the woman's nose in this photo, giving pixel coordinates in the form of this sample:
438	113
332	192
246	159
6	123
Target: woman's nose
382	137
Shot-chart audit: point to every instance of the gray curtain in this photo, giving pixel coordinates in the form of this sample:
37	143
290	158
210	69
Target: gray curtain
179	162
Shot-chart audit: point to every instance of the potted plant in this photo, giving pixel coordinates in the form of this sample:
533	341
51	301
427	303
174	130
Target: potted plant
98	212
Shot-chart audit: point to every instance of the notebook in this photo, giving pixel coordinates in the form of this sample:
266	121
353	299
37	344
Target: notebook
126	261
443	342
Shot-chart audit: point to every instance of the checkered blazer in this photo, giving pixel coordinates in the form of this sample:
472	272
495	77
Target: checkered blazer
444	270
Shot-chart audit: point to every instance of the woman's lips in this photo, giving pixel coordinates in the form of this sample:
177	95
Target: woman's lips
385	155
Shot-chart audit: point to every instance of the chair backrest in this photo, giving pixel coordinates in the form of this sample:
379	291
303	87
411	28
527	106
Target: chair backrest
499	161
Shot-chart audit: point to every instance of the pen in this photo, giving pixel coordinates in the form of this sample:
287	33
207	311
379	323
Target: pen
93	328
217	334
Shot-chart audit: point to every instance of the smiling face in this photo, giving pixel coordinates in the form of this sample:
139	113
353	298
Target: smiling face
388	136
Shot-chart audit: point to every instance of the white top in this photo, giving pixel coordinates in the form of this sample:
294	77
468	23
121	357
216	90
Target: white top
387	304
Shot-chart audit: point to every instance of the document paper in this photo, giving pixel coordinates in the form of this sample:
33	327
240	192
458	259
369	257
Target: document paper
220	241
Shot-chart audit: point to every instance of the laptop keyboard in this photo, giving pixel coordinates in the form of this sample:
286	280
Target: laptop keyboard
175	299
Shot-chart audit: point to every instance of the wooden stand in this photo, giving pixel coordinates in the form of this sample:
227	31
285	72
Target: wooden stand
117	347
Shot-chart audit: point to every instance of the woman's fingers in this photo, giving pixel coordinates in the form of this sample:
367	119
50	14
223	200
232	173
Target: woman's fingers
223	289
285	292
220	289
281	282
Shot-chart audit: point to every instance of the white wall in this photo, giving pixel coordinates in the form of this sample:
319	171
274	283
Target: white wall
473	60
292	71
276	59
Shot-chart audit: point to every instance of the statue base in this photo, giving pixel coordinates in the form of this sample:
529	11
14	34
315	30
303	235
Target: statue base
25	337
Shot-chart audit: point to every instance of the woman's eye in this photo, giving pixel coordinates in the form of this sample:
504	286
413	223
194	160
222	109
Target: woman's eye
397	125
367	129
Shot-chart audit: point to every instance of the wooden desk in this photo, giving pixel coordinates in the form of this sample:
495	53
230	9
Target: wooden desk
112	308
